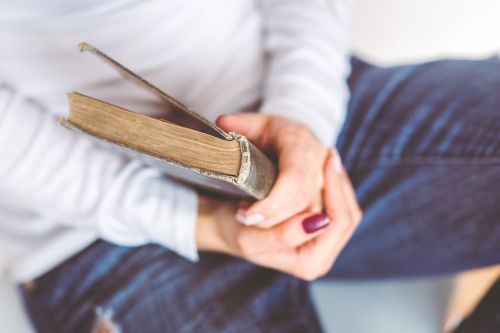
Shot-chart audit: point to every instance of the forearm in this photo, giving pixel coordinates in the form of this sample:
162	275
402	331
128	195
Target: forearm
308	64
66	177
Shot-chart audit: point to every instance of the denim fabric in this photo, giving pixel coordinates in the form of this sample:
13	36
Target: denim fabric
422	146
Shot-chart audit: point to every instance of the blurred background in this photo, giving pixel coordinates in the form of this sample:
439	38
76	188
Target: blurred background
397	31
388	32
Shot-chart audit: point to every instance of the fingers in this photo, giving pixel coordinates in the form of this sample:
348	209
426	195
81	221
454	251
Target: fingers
289	234
251	125
297	188
350	196
276	248
295	262
335	201
286	199
340	203
315	258
287	248
288	196
346	186
300	157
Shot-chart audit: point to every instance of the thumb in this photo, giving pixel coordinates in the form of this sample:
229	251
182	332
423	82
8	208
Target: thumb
251	125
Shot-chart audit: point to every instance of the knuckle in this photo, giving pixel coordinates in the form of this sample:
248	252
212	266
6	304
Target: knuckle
325	270
311	270
295	130
302	131
282	238
300	271
321	269
310	276
303	273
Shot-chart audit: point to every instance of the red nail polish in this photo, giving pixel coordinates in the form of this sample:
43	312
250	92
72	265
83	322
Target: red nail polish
315	222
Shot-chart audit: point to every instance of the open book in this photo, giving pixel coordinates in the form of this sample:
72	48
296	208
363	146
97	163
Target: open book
213	159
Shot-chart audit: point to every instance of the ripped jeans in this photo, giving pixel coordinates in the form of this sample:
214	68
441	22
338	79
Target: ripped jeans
422	147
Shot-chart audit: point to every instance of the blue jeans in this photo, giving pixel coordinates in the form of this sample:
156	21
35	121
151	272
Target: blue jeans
422	147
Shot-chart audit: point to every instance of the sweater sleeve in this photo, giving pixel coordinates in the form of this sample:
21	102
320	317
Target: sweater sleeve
77	183
307	45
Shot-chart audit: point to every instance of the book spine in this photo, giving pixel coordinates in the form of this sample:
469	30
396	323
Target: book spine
257	172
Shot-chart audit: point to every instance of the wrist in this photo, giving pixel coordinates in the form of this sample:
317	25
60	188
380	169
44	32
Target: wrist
211	224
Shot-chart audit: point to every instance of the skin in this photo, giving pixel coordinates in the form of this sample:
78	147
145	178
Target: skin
301	190
300	159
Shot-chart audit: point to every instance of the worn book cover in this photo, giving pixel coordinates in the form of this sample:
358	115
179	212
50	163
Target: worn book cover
212	159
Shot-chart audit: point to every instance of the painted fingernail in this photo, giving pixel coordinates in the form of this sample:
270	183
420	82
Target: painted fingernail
337	161
315	222
250	219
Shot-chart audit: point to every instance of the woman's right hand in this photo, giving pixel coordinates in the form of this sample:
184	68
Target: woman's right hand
218	231
305	245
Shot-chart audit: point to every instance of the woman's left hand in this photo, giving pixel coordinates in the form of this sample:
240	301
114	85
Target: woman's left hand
298	187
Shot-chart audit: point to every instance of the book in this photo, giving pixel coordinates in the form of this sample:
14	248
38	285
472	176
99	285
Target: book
212	159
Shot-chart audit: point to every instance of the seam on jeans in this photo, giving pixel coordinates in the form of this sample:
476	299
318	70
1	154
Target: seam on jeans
295	285
436	161
295	290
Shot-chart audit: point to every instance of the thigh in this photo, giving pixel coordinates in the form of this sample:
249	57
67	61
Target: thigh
422	146
148	289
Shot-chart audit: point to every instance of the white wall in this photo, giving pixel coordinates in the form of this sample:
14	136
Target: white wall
389	31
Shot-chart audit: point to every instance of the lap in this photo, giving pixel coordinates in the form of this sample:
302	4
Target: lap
150	289
422	146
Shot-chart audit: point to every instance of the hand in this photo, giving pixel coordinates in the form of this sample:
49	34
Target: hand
300	163
305	245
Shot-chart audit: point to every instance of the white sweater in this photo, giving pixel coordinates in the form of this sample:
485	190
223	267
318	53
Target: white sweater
59	191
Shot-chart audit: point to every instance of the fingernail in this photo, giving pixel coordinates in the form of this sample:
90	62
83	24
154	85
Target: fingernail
315	222
250	219
337	161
